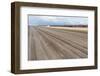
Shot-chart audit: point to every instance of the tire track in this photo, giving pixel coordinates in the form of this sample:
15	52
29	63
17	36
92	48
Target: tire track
75	33
70	37
59	45
67	41
47	45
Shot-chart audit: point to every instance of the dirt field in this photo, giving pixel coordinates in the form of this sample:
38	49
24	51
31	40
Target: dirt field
50	43
81	29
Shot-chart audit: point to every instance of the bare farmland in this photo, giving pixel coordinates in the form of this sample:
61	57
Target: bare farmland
46	43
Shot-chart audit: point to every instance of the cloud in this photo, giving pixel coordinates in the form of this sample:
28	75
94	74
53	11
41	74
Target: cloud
57	20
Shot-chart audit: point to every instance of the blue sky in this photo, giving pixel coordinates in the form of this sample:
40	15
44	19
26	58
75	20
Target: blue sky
57	20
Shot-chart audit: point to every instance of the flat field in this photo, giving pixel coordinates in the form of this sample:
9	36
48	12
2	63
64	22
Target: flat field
50	43
80	29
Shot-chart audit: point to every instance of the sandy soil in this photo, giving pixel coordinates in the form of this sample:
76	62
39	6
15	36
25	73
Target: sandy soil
84	29
48	43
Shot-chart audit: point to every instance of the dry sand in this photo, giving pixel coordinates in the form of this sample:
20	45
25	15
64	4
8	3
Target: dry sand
82	29
49	43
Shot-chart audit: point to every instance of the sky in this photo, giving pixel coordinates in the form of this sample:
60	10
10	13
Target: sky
56	20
